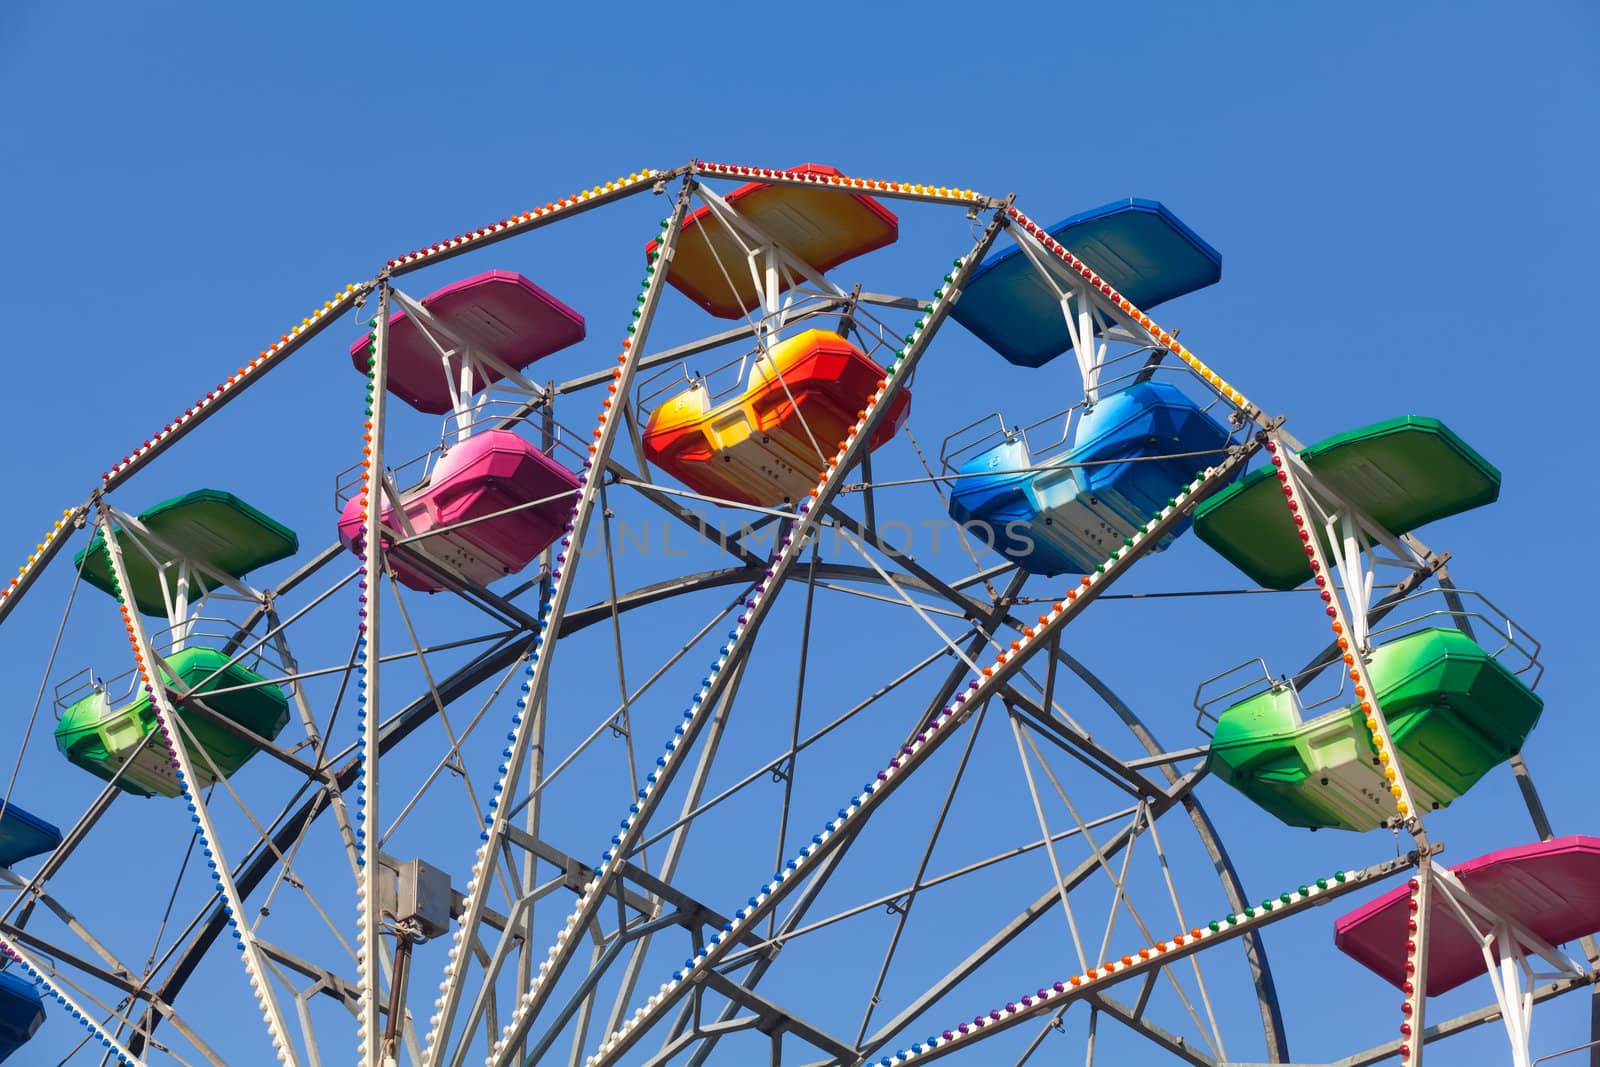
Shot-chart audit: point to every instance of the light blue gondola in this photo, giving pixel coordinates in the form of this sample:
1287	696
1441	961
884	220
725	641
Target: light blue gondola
1130	454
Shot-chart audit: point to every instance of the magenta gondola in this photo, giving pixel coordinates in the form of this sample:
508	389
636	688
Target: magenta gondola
1551	887
489	506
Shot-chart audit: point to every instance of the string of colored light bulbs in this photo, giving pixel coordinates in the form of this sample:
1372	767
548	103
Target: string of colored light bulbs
183	772
646	178
1413	985
308	327
1122	304
550	611
638	181
1377	724
1375	721
1060	993
63	528
367	651
901	190
785	552
911	755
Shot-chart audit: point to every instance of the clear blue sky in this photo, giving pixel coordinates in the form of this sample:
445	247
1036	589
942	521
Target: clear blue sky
1403	196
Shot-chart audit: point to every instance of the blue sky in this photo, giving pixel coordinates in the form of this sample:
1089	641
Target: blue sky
1403	197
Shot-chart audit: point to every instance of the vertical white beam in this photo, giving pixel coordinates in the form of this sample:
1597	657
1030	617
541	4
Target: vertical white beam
172	736
369	717
516	753
1414	1007
1301	508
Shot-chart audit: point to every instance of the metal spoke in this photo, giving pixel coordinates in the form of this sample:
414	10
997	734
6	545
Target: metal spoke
1044	831
1121	895
908	901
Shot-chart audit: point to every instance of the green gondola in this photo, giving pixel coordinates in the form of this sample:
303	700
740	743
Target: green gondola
206	526
103	740
1403	473
1453	710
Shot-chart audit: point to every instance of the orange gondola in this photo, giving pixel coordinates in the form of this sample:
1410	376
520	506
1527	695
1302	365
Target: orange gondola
768	444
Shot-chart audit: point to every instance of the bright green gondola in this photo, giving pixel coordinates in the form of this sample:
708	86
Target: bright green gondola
1454	711
103	740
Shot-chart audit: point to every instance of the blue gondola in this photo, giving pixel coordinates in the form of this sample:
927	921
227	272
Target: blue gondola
23	834
1141	248
1069	516
21	1012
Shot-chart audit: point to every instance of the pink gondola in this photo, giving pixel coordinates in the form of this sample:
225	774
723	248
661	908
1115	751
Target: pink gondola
1552	888
499	313
469	488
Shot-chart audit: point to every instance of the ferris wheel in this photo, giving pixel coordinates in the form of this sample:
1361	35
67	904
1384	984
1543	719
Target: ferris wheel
721	692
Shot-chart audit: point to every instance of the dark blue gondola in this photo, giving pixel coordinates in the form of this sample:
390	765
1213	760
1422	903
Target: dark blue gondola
23	834
1141	248
1130	454
21	1012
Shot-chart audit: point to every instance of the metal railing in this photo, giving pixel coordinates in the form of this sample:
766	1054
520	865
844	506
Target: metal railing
414	474
733	376
122	688
1472	613
960	446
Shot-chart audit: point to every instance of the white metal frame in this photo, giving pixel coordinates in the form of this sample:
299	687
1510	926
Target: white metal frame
470	389
1506	944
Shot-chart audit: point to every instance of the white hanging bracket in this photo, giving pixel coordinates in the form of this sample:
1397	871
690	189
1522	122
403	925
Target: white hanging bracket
468	383
1506	945
1357	545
